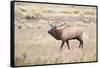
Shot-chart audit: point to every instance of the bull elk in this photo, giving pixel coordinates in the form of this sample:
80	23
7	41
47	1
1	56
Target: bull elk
66	34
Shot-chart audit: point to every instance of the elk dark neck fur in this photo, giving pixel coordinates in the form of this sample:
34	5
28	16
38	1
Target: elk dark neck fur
57	34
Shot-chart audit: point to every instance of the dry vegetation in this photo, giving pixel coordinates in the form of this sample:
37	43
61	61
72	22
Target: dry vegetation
33	44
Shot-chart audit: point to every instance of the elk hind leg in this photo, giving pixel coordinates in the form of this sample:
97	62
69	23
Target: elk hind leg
81	42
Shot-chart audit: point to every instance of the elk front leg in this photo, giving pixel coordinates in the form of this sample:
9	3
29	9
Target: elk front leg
81	42
68	44
62	45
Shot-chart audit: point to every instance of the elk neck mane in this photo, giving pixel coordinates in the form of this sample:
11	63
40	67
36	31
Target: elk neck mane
58	34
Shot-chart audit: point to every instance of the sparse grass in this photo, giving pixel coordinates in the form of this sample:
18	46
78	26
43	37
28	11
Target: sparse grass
76	12
32	11
89	13
24	60
48	11
19	27
66	12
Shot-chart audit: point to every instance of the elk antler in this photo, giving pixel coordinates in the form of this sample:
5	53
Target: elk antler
61	24
51	25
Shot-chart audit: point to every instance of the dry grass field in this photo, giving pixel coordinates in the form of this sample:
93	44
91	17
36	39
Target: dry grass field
33	44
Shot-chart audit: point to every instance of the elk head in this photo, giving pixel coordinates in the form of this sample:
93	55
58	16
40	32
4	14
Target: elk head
54	31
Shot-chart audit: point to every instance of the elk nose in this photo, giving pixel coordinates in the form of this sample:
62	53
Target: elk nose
49	32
